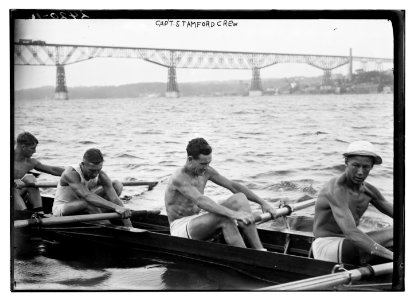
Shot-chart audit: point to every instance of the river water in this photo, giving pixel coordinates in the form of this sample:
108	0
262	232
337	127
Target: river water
282	147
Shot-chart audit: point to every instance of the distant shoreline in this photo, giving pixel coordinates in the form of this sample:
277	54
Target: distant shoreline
362	83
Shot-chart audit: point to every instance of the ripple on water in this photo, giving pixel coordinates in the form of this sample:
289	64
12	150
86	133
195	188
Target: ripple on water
125	155
133	166
285	154
87	142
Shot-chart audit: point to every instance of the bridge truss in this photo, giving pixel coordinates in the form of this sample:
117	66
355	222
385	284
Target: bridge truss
38	53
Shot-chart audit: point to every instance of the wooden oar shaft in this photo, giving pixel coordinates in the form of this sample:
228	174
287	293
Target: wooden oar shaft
285	211
137	183
383	269
303	204
332	280
267	216
77	218
124	183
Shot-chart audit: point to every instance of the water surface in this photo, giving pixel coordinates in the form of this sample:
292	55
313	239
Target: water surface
281	147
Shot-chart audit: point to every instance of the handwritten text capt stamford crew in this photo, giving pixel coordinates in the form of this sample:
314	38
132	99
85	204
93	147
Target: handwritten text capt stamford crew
195	24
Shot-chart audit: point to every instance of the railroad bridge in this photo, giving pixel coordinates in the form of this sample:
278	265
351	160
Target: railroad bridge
40	53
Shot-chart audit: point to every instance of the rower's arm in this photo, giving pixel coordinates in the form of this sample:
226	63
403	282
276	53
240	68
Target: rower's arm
233	186
379	201
203	202
72	178
57	171
110	192
236	187
343	217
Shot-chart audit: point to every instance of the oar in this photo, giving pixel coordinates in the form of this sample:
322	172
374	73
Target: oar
286	210
79	218
332	280
151	184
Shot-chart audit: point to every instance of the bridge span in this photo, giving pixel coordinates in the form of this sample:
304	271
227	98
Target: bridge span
40	53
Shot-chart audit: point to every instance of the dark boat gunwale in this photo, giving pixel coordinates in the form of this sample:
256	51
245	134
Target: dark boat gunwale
277	265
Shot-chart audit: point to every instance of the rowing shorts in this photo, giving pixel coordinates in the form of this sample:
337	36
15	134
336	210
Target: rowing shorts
57	209
179	227
328	248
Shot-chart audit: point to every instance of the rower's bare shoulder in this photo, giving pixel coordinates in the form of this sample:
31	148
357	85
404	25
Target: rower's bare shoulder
372	191
68	170
103	179
329	190
33	162
323	197
211	170
211	173
70	176
371	187
26	165
329	186
178	178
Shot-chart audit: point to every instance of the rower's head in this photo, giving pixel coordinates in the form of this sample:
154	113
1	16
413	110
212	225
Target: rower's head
27	143
199	155
92	163
360	157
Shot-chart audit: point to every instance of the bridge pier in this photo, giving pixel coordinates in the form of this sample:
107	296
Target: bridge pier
172	87
256	85
379	66
364	65
350	65
61	92
327	75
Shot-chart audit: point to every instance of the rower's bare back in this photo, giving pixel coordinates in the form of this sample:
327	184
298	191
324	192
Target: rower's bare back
177	205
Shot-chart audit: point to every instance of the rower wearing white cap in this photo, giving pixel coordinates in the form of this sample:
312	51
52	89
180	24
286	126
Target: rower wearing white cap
340	206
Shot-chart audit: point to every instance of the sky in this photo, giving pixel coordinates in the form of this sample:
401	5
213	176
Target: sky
372	38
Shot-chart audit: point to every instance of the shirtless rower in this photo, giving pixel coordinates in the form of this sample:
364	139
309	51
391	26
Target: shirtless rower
85	188
340	206
23	191
184	200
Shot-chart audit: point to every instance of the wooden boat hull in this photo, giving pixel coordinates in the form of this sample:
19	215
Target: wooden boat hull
270	266
288	258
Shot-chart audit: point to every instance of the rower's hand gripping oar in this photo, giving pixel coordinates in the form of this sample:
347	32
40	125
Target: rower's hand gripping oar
79	218
286	210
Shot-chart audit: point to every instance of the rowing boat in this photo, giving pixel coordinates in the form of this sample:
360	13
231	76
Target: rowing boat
288	258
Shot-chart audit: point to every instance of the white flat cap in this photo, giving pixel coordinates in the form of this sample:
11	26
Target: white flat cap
363	148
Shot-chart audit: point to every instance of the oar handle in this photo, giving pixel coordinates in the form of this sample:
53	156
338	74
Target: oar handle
285	210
